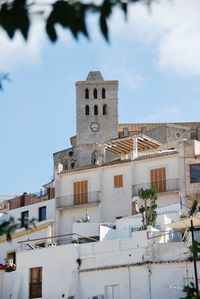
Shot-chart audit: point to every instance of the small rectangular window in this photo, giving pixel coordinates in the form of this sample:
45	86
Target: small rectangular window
24	218
35	286
42	214
118	181
195	173
12	256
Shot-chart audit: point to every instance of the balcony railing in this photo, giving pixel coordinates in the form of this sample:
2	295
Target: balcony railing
77	199
160	186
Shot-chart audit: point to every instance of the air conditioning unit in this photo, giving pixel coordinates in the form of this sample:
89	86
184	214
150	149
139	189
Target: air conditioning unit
98	297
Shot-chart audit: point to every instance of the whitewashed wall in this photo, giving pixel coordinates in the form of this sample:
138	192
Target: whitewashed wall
104	265
141	170
116	202
1	283
59	272
29	234
40	233
34	208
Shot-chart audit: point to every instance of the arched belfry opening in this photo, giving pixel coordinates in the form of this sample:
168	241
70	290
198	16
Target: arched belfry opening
94	158
95	110
103	93
87	110
105	109
95	93
87	93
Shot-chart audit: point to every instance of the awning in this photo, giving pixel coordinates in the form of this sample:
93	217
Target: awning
126	145
185	223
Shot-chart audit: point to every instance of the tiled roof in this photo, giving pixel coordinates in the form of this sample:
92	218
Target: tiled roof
116	162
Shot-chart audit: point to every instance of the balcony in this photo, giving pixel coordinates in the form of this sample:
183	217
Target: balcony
78	199
161	186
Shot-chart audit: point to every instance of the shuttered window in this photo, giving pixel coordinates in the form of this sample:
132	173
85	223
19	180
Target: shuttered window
80	192
118	181
158	179
35	290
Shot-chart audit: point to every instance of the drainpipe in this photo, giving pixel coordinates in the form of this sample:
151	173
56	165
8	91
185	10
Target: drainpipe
149	277
129	277
194	259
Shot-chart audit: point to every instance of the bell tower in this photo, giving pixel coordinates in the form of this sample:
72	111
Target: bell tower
96	115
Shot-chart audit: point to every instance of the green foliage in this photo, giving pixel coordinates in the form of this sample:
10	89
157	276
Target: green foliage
194	208
16	15
190	291
148	210
8	227
195	249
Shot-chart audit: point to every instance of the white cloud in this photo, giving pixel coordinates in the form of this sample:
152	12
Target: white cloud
17	51
171	27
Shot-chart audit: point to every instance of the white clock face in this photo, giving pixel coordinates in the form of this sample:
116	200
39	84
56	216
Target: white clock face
94	127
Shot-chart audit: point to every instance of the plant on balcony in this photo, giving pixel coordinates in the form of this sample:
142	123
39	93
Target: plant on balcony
190	291
148	209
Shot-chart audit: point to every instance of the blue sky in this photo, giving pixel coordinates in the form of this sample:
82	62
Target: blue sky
155	56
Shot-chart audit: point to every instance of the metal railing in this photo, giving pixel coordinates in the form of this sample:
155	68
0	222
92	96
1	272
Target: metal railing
77	199
160	186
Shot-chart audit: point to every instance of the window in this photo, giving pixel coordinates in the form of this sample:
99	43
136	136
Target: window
24	218
87	110
104	109
118	181
94	158
95	93
194	173
87	93
95	110
103	93
80	192
158	179
42	213
12	256
35	287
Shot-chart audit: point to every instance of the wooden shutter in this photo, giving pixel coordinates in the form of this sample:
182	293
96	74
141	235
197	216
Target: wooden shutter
158	179
35	282
118	181
80	192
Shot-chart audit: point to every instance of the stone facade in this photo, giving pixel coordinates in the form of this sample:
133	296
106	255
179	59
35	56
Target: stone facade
168	133
96	116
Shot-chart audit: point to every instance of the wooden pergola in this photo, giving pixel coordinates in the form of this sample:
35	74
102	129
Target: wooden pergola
126	145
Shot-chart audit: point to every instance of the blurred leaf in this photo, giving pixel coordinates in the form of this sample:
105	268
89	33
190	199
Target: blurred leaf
68	15
106	10
14	16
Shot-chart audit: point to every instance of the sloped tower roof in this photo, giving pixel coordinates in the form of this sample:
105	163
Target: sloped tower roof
94	76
